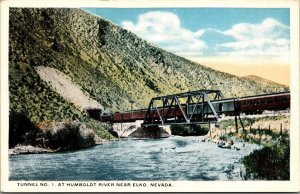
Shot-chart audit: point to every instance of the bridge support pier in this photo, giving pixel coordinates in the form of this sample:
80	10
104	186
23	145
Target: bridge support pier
149	132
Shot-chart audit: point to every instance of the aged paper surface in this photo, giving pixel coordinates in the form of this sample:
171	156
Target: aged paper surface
181	185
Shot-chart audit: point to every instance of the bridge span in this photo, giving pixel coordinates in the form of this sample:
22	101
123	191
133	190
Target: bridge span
196	107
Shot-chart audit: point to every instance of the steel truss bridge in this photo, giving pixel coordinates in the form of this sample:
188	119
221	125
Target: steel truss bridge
193	107
196	107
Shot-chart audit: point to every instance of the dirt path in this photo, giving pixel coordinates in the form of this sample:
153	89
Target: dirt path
64	86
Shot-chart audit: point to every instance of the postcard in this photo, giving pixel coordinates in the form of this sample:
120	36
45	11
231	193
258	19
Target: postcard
150	96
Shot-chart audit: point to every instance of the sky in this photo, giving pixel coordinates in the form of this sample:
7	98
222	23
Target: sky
240	41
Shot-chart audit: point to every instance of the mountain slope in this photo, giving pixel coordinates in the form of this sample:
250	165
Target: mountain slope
64	86
260	79
110	64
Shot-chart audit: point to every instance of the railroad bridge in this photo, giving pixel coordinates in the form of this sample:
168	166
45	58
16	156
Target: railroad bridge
196	107
193	107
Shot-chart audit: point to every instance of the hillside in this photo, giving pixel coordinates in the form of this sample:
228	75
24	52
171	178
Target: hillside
64	86
111	65
260	79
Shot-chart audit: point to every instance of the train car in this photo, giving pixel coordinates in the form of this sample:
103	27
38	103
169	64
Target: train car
225	106
248	105
257	104
129	116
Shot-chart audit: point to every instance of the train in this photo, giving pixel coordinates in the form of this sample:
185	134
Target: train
255	104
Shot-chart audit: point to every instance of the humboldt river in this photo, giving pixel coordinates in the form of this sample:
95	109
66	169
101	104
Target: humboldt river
173	158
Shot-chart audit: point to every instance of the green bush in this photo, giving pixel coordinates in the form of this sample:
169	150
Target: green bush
269	163
99	129
189	130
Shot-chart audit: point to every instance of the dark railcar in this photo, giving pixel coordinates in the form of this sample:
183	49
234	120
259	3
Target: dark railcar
129	116
257	104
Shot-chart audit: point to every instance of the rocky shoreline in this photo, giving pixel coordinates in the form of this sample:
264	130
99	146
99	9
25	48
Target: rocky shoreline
28	149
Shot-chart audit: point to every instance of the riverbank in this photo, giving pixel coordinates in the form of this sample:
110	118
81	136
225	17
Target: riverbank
271	133
262	130
30	149
49	137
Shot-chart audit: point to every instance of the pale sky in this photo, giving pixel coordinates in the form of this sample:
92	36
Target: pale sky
240	41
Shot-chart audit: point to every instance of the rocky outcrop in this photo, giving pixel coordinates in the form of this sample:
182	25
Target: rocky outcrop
49	137
66	136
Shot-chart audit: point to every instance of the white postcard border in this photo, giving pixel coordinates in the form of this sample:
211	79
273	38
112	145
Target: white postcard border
176	186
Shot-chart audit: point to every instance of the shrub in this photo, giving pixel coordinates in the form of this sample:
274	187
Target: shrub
270	163
99	129
189	130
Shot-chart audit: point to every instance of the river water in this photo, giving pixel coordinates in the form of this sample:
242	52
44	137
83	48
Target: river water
173	158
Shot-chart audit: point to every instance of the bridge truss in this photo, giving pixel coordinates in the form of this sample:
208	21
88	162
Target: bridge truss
192	107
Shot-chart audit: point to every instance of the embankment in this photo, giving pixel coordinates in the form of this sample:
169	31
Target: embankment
27	137
272	162
259	130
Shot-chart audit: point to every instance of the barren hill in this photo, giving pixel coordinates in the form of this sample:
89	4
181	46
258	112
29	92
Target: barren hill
260	79
111	65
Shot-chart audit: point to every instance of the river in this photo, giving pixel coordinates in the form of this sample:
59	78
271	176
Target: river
173	158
